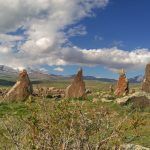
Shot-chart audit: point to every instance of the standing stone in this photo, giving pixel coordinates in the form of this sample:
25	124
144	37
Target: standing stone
146	81
77	88
21	90
111	89
122	87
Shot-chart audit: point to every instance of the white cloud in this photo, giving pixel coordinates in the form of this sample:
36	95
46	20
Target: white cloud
77	30
4	50
112	58
43	70
48	25
44	43
115	58
59	69
9	38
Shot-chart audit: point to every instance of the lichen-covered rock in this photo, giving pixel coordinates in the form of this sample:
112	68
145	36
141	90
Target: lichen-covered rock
47	91
21	90
77	88
146	81
122	87
106	100
95	100
132	147
141	99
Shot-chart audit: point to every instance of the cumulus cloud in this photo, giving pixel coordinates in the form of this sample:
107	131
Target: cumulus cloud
43	70
9	38
48	25
59	69
112	58
115	58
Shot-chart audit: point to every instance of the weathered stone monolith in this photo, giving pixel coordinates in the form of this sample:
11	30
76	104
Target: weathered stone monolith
122	87
77	88
21	90
146	81
111	89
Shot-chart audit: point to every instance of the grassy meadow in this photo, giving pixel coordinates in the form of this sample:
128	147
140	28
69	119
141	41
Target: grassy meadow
72	124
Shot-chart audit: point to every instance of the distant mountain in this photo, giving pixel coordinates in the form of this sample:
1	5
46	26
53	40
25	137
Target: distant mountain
95	78
136	79
106	80
10	74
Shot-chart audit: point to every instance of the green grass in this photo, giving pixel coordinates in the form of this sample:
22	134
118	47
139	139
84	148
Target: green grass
13	109
21	110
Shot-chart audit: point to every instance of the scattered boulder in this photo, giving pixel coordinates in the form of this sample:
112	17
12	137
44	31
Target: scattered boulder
107	97
122	87
138	99
123	100
105	100
139	102
95	100
48	92
88	91
21	90
77	88
146	81
132	147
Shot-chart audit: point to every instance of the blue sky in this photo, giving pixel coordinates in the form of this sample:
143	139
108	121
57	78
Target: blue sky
125	22
60	36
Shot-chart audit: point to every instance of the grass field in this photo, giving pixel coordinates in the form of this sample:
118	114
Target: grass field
72	124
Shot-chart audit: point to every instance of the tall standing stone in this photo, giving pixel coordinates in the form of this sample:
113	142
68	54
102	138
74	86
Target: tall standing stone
77	88
122	87
146	81
21	90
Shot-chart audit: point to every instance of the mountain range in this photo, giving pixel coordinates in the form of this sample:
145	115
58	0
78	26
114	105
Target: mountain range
10	74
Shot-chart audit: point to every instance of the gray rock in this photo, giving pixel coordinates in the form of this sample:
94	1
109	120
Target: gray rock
106	100
124	100
132	147
88	91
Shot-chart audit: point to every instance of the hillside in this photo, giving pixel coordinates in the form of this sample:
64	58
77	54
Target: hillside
9	75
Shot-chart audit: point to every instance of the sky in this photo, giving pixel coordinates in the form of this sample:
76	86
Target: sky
60	36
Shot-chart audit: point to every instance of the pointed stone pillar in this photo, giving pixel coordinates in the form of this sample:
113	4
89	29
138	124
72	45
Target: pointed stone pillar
77	88
122	87
146	81
21	90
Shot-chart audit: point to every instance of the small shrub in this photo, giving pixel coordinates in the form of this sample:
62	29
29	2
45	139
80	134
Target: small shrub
66	125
